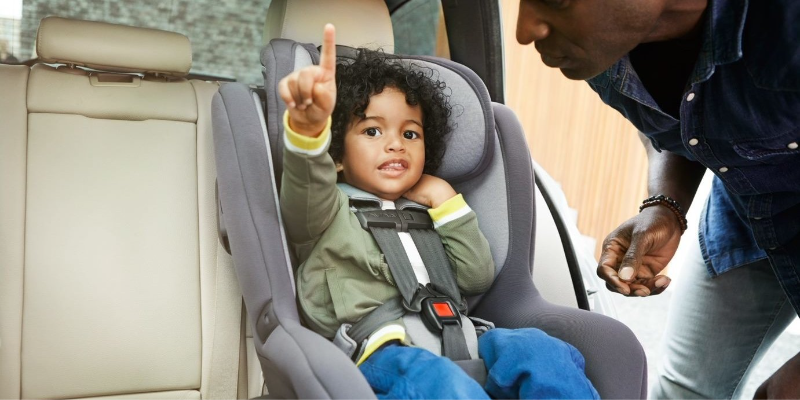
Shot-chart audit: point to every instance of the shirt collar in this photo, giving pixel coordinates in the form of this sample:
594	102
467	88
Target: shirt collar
722	44
722	37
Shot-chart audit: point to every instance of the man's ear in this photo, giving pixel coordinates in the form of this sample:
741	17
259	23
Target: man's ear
339	167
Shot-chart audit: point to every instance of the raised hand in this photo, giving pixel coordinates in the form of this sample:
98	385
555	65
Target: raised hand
310	93
638	250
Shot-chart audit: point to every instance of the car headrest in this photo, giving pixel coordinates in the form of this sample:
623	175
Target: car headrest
469	147
359	23
111	47
469	150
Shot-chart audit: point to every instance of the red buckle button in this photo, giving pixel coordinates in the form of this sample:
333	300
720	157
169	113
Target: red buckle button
443	310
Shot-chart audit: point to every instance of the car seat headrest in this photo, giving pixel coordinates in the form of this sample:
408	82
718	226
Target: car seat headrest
111	47
472	120
359	23
469	150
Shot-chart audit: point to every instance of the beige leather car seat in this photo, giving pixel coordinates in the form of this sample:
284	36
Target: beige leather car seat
112	280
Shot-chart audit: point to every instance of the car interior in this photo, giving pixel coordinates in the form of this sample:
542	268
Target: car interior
128	182
114	281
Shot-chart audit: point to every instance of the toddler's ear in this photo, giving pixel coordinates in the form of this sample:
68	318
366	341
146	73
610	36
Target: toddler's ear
339	167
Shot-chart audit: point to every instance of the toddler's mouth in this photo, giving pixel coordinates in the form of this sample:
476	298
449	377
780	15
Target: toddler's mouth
394	165
393	168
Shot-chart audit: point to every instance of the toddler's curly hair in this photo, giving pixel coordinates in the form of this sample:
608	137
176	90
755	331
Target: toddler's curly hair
370	74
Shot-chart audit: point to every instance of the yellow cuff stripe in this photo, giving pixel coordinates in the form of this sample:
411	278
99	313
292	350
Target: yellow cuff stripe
380	337
305	143
451	206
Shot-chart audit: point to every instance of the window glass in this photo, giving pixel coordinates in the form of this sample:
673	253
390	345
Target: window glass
10	16
419	29
226	36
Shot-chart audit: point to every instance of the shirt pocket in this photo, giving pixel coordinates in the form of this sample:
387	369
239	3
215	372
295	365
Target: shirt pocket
344	312
772	150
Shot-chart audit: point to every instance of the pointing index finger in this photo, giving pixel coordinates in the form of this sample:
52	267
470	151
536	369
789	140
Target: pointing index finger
328	57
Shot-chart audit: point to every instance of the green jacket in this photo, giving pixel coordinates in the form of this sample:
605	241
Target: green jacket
342	275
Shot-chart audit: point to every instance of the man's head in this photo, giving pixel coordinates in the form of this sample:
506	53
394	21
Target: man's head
585	37
409	106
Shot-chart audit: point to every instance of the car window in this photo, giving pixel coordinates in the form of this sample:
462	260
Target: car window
10	16
226	36
418	27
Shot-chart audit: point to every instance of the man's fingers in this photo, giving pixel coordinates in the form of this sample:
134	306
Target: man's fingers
632	260
327	59
613	283
611	255
612	288
655	285
638	289
609	263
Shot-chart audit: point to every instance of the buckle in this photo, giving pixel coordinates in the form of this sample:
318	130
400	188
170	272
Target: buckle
438	312
399	220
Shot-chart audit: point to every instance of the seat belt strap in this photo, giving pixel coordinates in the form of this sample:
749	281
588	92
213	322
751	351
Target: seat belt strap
384	226
389	311
397	259
454	346
431	249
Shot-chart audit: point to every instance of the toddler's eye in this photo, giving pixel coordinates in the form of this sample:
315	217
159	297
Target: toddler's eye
372	132
410	135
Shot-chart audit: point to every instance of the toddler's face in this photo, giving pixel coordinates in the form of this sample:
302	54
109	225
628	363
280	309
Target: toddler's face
384	153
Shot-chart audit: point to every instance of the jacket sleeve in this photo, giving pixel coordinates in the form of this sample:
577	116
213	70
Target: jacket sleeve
309	197
467	248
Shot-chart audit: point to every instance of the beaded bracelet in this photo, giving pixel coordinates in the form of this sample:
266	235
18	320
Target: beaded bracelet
668	202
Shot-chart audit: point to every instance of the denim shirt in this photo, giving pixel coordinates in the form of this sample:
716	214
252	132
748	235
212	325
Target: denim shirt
739	117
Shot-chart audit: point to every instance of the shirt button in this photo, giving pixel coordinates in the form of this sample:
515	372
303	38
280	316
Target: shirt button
693	142
723	169
690	97
792	145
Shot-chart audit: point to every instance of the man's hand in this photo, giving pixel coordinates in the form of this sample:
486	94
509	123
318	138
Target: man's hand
310	93
784	383
430	191
638	250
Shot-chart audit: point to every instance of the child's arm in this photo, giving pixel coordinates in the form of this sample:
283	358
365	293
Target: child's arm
457	225
308	192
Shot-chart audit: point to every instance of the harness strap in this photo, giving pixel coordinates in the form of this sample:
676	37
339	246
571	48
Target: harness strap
433	255
398	261
389	311
384	227
454	346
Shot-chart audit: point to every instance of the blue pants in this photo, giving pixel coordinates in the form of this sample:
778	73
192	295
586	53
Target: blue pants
521	363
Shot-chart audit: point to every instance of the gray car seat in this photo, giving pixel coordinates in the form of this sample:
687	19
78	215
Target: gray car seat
487	160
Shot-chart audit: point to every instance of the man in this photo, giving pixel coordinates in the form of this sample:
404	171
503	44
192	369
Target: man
710	84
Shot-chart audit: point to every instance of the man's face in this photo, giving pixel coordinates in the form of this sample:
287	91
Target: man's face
585	37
